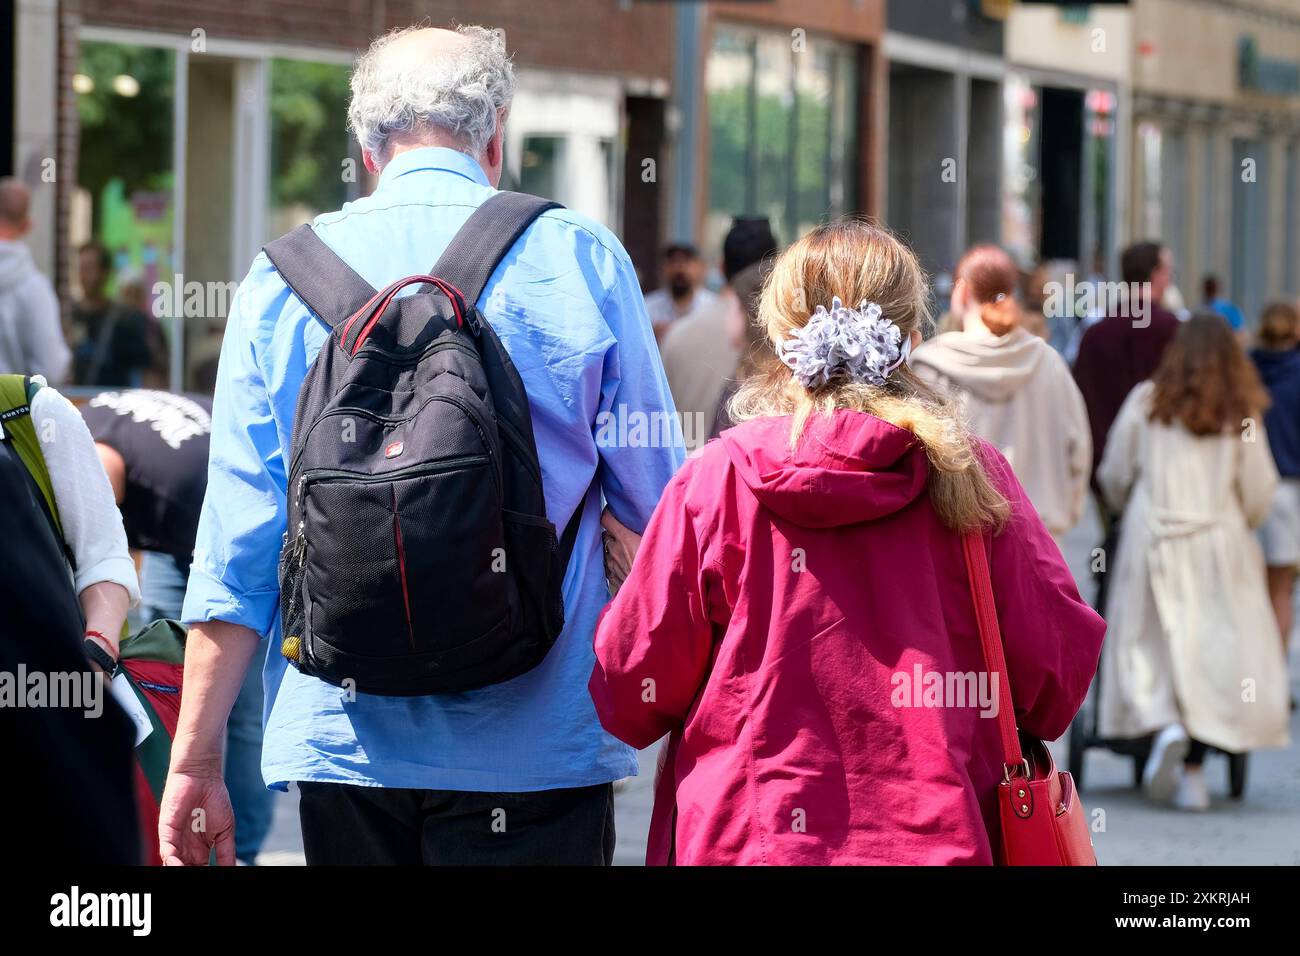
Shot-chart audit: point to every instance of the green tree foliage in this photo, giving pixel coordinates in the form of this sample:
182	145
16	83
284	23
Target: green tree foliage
126	137
309	137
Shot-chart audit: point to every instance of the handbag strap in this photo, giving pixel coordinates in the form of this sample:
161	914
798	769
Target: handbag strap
986	613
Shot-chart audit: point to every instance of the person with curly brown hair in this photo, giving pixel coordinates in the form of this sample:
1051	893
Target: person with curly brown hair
1192	654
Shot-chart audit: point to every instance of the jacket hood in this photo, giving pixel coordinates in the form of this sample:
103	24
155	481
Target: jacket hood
1276	365
848	468
991	368
15	263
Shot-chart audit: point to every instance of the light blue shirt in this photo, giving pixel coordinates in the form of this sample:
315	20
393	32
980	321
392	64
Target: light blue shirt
567	305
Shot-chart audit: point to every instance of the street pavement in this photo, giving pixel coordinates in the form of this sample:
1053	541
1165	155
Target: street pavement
1261	828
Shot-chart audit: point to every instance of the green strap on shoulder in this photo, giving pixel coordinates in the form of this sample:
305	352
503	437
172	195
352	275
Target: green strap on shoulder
16	427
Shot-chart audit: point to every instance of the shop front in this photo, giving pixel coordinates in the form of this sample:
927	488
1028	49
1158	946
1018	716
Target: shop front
192	153
1065	130
946	75
786	124
197	136
1217	145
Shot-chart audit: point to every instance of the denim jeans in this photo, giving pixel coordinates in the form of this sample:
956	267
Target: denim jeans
162	592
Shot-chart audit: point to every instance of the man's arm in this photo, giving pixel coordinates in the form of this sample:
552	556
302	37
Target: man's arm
217	655
195	816
233	593
633	384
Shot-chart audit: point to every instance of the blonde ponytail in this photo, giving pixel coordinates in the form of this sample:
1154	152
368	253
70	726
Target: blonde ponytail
857	260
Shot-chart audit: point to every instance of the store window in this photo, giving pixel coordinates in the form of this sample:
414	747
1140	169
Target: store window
540	165
1150	148
782	130
1291	258
1022	203
315	164
1099	175
124	202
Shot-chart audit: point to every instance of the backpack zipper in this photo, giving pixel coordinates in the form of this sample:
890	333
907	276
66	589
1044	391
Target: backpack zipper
473	413
432	468
401	567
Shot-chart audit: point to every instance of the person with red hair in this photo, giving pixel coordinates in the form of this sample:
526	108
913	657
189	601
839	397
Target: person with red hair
1016	390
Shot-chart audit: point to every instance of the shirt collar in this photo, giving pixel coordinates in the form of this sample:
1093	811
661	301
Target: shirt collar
432	157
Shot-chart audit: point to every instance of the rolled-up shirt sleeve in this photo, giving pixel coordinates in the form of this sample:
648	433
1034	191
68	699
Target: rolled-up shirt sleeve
236	553
638	434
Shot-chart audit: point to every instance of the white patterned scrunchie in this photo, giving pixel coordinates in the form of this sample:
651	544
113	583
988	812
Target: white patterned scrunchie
858	343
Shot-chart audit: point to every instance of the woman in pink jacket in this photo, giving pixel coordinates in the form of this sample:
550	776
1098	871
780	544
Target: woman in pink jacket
799	620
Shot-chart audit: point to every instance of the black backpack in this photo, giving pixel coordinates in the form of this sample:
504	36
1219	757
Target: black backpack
418	557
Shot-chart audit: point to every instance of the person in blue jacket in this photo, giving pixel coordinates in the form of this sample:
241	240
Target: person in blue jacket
1278	360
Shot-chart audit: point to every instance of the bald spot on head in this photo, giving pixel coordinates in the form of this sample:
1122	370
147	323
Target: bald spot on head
15	201
414	49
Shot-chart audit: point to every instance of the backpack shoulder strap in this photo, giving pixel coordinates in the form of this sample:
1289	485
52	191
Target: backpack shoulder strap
468	262
313	271
16	427
490	232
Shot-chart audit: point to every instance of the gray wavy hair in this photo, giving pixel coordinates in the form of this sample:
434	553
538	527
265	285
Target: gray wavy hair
460	93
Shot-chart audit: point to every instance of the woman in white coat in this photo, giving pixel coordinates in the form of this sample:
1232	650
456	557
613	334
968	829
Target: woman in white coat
1192	652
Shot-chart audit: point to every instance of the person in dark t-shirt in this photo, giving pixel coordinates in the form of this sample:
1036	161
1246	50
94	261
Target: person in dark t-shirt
154	446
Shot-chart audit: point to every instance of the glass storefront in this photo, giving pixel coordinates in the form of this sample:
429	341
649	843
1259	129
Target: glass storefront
782	130
1021	206
125	200
1099	178
180	194
564	141
1059	173
315	164
1291	243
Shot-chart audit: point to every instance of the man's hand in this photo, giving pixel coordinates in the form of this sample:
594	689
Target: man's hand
194	817
620	549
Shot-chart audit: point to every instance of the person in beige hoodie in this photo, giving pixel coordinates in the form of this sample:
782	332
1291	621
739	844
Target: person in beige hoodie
1016	389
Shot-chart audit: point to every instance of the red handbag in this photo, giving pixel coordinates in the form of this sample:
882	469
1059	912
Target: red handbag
1043	822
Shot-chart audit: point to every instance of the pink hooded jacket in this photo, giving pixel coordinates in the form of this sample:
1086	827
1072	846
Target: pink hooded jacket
782	622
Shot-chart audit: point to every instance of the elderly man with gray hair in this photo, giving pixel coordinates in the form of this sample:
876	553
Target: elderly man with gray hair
514	772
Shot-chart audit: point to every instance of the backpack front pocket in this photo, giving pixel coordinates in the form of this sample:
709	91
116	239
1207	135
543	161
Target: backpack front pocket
396	564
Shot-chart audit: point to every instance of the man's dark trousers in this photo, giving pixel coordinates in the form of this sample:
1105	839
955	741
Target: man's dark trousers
346	824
